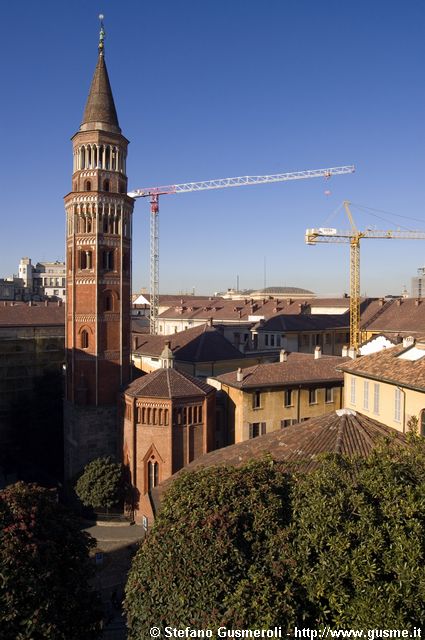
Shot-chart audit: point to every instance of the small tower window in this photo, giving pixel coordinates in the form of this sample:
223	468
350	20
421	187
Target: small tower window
106	185
153	474
88	185
108	260
85	259
84	339
109	303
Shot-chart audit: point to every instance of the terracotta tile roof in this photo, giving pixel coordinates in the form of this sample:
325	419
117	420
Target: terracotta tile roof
386	366
404	316
168	383
350	433
199	344
36	314
343	431
299	368
226	310
303	322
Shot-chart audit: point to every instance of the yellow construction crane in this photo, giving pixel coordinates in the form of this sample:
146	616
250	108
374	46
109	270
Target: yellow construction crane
353	237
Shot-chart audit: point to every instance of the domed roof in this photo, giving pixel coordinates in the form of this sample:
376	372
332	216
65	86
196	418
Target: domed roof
284	291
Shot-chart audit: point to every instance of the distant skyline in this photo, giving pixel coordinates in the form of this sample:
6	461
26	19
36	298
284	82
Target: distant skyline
218	89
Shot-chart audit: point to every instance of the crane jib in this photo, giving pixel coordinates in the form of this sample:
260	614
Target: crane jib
240	181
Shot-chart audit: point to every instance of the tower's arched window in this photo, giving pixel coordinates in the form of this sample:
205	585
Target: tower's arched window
84	339
85	259
153	473
108	260
88	185
106	185
109	302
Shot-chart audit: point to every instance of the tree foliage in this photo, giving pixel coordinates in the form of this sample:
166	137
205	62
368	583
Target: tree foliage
255	547
101	484
203	563
358	538
44	569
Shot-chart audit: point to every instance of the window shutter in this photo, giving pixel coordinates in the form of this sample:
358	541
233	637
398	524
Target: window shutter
263	428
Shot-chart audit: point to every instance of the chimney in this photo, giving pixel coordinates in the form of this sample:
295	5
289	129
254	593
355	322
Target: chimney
317	353
30	303
398	303
344	352
381	302
210	322
239	375
352	353
46	303
417	302
408	341
283	356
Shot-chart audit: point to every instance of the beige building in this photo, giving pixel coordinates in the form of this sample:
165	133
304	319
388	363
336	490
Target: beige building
269	397
389	386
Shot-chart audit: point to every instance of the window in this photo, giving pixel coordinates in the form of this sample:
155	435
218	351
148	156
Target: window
305	341
366	394
108	260
312	396
272	340
106	185
278	341
327	338
153	474
256	429
376	398
397	405
88	186
85	259
84	339
287	423
256	400
353	391
288	398
266	339
329	394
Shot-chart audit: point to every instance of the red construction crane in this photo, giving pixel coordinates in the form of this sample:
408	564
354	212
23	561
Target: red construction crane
221	183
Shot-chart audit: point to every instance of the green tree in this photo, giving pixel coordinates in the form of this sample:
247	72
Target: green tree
358	538
101	485
44	569
210	558
255	547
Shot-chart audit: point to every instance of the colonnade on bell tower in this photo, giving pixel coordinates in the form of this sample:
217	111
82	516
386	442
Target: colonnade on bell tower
98	265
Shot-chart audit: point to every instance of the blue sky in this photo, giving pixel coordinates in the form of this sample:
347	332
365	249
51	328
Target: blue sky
215	88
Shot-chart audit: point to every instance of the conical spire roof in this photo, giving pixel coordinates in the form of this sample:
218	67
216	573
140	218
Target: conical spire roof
100	112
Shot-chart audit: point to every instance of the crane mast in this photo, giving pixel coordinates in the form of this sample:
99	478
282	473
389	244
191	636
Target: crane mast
353	237
153	194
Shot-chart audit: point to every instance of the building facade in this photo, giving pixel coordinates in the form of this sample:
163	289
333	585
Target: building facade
389	385
269	397
98	276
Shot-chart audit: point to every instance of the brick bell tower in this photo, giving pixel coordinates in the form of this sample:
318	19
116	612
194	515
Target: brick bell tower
98	269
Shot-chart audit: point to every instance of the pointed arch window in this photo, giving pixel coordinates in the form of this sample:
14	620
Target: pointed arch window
84	339
153	473
106	185
87	185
